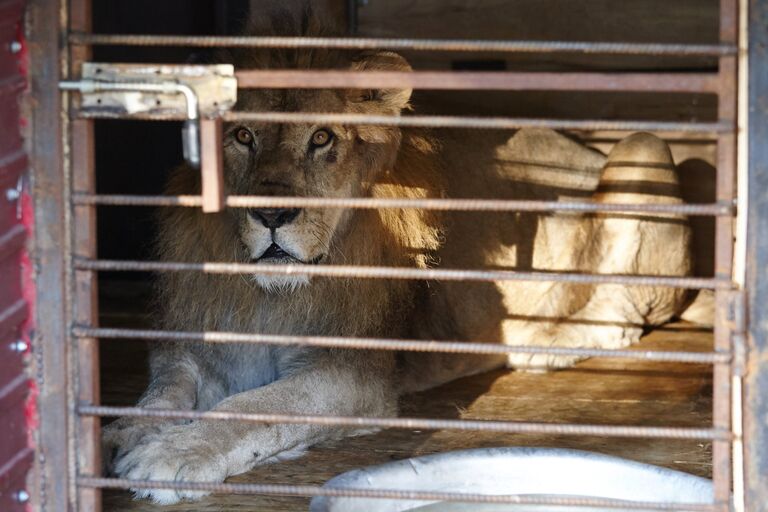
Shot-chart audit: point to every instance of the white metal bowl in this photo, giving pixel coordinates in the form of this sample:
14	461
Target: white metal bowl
514	471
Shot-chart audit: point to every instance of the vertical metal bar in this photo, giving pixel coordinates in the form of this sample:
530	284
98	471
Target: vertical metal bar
756	379
726	181
739	261
212	167
85	286
51	352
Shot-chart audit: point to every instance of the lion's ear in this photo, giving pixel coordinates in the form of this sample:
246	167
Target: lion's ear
390	101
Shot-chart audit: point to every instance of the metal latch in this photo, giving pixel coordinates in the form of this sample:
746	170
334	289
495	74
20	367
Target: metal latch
197	93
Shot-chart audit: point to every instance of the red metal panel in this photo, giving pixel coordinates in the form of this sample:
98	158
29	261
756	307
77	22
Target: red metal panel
16	404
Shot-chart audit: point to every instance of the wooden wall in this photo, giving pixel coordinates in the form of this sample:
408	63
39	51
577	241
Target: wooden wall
660	21
675	21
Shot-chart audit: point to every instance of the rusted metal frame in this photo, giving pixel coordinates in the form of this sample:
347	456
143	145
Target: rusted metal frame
479	80
569	87
739	316
492	123
756	377
509	427
393	344
312	490
54	490
366	272
725	191
500	205
449	45
83	292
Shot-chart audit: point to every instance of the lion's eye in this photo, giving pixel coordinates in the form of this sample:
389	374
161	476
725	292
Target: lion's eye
244	136
321	138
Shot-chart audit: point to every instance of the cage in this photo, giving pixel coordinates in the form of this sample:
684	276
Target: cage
84	171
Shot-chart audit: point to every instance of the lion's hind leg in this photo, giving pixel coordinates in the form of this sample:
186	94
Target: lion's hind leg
639	170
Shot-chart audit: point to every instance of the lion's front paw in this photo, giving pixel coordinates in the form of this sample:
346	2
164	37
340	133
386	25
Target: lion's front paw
177	454
120	436
539	363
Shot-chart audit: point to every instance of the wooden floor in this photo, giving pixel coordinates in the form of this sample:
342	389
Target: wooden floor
610	392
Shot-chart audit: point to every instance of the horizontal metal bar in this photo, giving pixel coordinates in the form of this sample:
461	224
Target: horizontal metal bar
499	123
715	209
471	122
449	45
314	490
478	80
395	344
509	427
366	272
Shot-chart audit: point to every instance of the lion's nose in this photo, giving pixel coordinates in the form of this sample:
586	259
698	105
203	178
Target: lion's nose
273	218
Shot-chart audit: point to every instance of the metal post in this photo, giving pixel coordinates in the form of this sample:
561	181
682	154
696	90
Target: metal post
83	293
51	349
726	188
756	379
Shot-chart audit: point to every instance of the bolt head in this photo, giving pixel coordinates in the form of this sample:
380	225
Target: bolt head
21	496
15	46
12	194
19	346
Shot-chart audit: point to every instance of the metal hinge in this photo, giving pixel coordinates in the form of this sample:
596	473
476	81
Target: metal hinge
200	94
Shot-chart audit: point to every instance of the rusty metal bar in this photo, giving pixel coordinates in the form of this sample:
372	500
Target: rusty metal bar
479	80
495	123
739	334
723	209
313	490
473	122
507	427
83	286
448	45
725	191
54	491
366	272
395	344
85	309
212	165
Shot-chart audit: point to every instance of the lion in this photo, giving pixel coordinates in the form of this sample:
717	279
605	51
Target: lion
338	161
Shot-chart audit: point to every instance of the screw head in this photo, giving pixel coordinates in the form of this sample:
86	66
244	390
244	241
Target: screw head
12	194
19	346
21	496
15	46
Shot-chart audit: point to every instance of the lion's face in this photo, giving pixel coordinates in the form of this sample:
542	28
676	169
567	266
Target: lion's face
306	160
